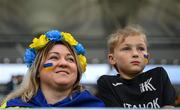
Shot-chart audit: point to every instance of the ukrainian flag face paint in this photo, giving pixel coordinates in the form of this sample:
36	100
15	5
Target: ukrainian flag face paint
146	58
48	67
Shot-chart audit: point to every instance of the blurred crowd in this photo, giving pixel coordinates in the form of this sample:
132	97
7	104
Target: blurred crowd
10	86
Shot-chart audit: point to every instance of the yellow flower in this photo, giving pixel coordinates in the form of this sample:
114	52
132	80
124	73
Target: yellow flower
69	38
83	62
39	43
4	104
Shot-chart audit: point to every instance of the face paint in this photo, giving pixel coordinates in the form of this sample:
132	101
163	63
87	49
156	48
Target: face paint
48	67
146	58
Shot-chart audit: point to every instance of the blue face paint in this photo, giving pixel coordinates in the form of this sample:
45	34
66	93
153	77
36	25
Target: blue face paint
47	65
146	57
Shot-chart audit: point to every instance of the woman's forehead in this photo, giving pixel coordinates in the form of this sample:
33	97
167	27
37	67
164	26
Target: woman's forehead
59	48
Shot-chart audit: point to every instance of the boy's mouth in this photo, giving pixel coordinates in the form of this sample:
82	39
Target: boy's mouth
135	62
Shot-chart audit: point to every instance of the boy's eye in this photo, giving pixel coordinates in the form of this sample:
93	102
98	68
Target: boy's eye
126	48
141	48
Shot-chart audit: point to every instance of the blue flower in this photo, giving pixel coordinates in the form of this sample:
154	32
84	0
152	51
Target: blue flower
53	35
29	56
80	49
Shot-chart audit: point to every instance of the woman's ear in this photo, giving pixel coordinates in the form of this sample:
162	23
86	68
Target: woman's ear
111	59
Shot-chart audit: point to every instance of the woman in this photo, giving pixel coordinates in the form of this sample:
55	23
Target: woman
56	62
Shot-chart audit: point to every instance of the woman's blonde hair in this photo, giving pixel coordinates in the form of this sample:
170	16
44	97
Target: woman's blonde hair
120	35
31	81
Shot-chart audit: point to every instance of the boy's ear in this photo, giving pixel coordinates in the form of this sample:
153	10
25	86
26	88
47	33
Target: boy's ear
111	59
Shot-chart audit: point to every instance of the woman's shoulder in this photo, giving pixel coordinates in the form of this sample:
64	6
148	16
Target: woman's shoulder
85	94
88	99
16	102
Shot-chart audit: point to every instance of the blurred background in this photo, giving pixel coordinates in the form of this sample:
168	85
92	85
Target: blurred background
90	21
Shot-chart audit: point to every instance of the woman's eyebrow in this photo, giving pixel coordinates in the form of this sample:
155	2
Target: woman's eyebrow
69	54
53	53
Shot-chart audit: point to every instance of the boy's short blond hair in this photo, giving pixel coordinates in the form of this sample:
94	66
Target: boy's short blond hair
120	35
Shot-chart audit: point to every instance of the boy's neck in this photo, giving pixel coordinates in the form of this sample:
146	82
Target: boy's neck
128	76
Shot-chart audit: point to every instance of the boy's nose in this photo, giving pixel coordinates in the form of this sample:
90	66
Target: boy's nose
135	53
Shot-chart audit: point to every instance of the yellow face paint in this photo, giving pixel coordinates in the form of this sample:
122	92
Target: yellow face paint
146	58
48	67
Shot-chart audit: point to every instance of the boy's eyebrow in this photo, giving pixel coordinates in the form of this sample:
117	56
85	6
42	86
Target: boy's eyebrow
140	44
127	44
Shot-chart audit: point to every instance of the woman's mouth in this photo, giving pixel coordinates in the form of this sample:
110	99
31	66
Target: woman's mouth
62	72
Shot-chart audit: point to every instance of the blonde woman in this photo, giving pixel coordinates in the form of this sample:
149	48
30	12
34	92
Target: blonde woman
56	62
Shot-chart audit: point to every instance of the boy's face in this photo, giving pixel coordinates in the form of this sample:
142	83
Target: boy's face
128	56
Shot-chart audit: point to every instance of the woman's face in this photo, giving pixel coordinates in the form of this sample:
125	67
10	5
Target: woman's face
63	72
129	57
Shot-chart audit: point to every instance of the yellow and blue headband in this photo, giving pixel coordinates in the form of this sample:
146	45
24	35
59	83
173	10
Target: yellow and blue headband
54	36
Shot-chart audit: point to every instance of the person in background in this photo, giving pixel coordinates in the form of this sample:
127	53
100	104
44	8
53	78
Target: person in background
177	101
56	62
131	87
10	84
14	83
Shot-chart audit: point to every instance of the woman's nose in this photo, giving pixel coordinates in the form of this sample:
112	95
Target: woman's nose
62	63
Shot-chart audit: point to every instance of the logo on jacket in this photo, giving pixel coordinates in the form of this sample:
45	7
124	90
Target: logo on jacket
147	86
117	84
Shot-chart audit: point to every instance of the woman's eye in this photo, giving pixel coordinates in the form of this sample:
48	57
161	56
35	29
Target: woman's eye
71	59
53	58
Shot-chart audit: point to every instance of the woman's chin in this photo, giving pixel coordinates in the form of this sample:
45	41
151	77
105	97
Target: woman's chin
62	82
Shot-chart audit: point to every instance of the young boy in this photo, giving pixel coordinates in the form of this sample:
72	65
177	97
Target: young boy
131	87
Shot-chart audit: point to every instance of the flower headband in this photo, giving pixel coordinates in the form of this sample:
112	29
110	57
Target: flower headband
54	36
